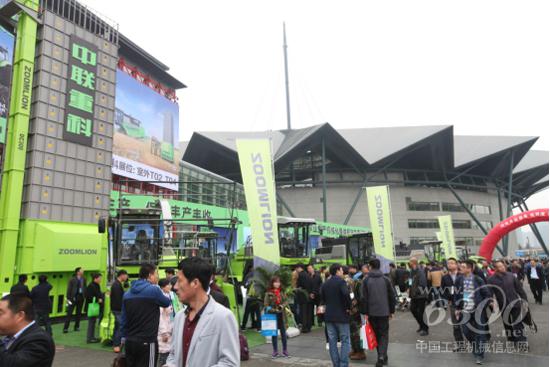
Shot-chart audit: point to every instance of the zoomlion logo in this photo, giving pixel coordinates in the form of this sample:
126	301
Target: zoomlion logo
77	251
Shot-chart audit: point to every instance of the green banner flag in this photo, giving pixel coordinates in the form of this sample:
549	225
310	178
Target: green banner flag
378	200
259	189
447	235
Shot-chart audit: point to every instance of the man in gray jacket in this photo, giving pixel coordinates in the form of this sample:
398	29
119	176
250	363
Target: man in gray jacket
378	298
206	333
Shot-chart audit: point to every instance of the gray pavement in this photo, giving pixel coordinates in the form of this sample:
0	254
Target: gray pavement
309	349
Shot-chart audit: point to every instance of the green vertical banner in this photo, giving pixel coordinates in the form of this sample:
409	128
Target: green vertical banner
259	188
447	235
378	200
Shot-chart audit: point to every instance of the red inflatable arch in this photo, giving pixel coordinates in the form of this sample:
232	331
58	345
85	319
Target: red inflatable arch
503	228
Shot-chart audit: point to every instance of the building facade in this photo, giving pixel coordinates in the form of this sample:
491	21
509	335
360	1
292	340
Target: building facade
321	173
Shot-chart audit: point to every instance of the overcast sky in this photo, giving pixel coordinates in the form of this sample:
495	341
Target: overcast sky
482	66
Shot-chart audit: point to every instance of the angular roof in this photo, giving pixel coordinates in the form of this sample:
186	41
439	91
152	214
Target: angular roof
533	159
433	148
375	144
470	149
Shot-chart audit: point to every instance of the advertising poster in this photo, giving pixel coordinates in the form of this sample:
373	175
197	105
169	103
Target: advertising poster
259	188
146	134
447	235
378	200
6	57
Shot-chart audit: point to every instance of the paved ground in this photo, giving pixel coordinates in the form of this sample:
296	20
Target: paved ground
309	349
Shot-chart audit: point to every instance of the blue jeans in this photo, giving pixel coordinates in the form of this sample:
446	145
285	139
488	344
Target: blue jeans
116	331
475	331
334	331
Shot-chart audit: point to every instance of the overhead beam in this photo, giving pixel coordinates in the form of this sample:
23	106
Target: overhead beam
280	198
535	229
471	214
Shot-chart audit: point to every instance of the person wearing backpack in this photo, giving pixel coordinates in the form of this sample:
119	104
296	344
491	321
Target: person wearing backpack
378	306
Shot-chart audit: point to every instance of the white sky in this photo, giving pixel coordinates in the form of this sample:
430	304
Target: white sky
482	66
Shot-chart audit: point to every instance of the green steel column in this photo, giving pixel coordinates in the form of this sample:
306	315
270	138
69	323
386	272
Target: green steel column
324	180
509	203
16	143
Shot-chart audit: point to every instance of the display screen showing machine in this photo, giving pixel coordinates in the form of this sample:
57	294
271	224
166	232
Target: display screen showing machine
294	244
357	248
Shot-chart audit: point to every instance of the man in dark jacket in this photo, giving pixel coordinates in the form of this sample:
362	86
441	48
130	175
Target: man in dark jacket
402	276
75	299
26	344
141	316
93	293
117	292
336	298
305	300
41	302
535	276
418	293
21	286
379	300
509	294
448	282
470	300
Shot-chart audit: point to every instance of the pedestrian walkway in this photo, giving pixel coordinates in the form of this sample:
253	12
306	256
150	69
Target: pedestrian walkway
404	350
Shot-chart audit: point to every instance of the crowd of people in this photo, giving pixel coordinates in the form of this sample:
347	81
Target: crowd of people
185	320
180	320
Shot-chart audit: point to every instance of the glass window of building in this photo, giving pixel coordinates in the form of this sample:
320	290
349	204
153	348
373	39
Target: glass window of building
452	207
423	223
462	224
487	224
481	209
422	206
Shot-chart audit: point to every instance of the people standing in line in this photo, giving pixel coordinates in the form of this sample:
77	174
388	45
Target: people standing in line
206	334
357	350
25	343
434	278
275	302
21	286
336	298
449	282
93	292
535	276
140	318
418	293
166	323
40	295
471	299
117	293
76	289
378	296
305	299
510	295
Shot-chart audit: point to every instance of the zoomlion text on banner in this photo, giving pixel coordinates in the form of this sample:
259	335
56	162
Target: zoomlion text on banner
259	189
447	235
378	200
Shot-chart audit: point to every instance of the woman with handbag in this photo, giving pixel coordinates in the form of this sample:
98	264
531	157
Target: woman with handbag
275	302
94	300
